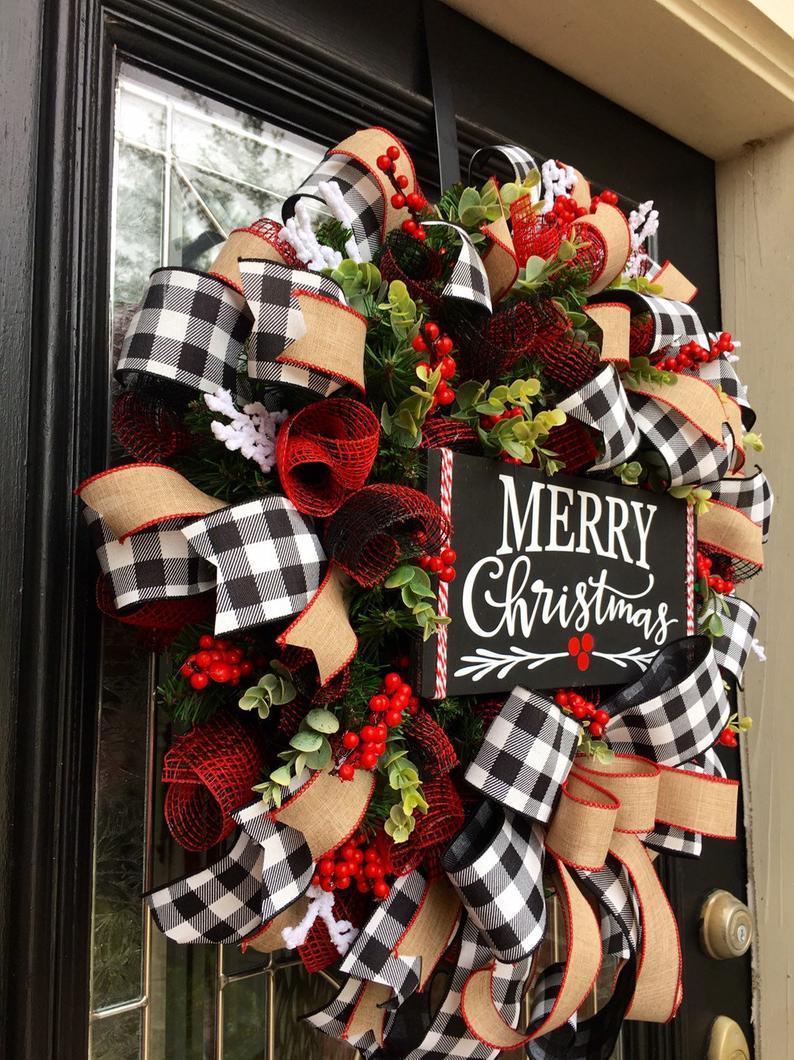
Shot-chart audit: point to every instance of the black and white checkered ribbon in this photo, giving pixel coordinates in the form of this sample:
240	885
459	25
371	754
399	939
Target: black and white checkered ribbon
733	647
752	496
721	373
601	404
269	290
520	160
692	457
360	191
269	867
674	323
189	330
675	710
468	281
269	560
150	565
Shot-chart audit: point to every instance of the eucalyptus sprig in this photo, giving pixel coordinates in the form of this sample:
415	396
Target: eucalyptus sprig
309	748
416	593
539	272
714	606
361	282
273	689
629	472
404	780
641	370
404	424
636	283
697	497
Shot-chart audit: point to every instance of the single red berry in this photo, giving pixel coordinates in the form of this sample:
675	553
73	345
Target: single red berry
392	681
573	646
351	740
447	574
448	367
220	672
583	661
402	181
381	730
381	890
370	854
327	884
448	555
444	346
378	749
346	771
444	395
316	880
199	681
436	564
207	642
371	871
394	718
587	642
369	760
398	200
379	703
186	669
578	712
325	866
234	656
561	699
432	330
424	562
368	734
410	226
405	689
419	345
596	729
384	163
415	201
342	882
393	152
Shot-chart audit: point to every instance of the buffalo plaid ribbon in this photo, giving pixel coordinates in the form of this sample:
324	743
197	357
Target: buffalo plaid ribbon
601	403
189	330
468	281
269	289
152	564
269	560
752	496
690	455
521	162
733	647
674	323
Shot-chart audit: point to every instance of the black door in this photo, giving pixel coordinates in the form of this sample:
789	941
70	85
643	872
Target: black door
105	107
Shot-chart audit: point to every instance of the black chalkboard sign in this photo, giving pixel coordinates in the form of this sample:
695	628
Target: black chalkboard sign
560	581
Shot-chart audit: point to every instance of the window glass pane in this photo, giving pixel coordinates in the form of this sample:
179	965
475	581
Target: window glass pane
186	172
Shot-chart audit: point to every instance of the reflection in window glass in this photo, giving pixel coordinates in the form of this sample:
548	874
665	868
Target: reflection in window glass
186	171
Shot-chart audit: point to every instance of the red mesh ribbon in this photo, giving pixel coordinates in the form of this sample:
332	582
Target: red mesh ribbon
433	830
488	350
573	443
167	616
318	952
324	453
533	233
588	263
147	428
565	359
407	259
210	772
378	525
434	745
641	332
269	230
440	432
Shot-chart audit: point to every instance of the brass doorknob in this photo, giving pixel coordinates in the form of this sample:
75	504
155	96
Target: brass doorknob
727	1042
726	926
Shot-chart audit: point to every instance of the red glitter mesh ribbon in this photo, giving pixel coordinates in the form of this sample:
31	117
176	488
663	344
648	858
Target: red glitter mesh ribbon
488	350
433	829
534	234
378	525
434	745
324	453
210	772
589	261
418	266
147	428
573	443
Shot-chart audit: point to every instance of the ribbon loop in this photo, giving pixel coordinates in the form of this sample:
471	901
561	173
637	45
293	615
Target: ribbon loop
601	403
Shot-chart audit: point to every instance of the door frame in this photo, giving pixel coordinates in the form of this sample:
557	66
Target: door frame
61	71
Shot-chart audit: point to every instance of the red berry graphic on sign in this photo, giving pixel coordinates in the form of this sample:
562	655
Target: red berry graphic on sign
573	646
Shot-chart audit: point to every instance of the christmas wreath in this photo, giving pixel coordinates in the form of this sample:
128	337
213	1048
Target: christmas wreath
326	431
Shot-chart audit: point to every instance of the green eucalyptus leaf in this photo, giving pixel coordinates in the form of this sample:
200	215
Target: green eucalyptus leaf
402	575
306	741
322	720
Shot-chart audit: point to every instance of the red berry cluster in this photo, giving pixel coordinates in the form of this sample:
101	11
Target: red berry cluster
728	737
565	210
443	564
691	353
703	566
414	200
582	709
389	704
219	661
357	859
439	346
606	196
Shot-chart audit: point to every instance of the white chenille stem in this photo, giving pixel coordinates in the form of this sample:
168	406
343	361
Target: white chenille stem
251	432
759	649
321	904
335	201
557	180
298	232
